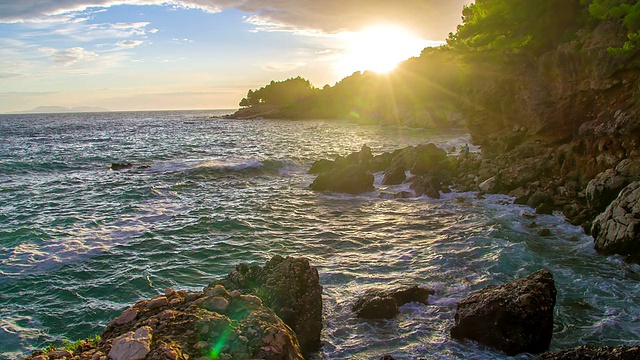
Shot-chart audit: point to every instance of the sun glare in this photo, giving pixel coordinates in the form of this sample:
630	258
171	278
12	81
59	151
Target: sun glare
378	49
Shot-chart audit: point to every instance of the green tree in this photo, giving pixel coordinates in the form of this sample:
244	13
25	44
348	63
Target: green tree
628	11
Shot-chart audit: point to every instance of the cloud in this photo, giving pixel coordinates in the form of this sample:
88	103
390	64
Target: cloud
69	56
429	19
129	43
282	67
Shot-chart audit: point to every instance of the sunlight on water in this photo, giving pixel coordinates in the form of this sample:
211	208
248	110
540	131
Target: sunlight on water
78	243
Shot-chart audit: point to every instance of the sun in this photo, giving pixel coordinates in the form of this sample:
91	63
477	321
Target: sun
379	49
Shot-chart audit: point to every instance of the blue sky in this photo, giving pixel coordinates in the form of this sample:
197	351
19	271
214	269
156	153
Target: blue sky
199	54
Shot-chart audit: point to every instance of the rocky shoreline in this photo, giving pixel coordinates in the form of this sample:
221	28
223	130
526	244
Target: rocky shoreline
275	312
606	204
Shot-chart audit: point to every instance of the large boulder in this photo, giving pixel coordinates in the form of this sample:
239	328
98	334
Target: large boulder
595	353
289	286
602	190
349	178
617	230
216	324
515	317
384	304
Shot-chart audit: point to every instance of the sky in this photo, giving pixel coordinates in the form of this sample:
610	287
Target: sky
200	54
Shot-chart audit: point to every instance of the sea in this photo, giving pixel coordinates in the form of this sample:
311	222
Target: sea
79	242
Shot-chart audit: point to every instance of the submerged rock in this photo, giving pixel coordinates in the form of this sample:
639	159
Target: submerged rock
289	286
617	230
515	317
120	166
595	353
384	304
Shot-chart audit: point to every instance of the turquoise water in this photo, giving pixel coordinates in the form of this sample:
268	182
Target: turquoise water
78	243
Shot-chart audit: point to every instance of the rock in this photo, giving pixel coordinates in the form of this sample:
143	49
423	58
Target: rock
158	302
515	317
394	175
322	166
426	159
542	202
127	316
378	307
602	190
595	353
289	286
426	185
617	230
119	166
384	304
350	179
132	345
544	232
387	357
489	185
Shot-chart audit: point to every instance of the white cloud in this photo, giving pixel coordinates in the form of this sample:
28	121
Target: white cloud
429	19
129	43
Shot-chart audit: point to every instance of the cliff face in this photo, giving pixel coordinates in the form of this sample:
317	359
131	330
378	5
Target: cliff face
576	94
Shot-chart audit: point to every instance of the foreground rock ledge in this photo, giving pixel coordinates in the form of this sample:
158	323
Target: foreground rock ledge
179	326
516	317
289	286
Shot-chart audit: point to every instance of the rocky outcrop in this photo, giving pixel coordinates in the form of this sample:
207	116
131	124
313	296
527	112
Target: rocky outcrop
515	317
289	286
384	304
606	187
430	166
179	325
349	178
617	230
595	353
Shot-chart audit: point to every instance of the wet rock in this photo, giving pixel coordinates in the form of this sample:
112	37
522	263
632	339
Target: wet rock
426	185
120	166
394	175
544	232
384	304
617	230
515	317
595	353
542	202
350	179
322	166
132	345
289	286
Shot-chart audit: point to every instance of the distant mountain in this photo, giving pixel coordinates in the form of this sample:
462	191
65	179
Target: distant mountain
62	109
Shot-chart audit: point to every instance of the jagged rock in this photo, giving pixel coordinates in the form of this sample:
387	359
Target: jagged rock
595	353
289	286
322	166
602	190
217	324
515	317
542	202
384	304
617	230
426	185
426	159
132	345
350	179
394	175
